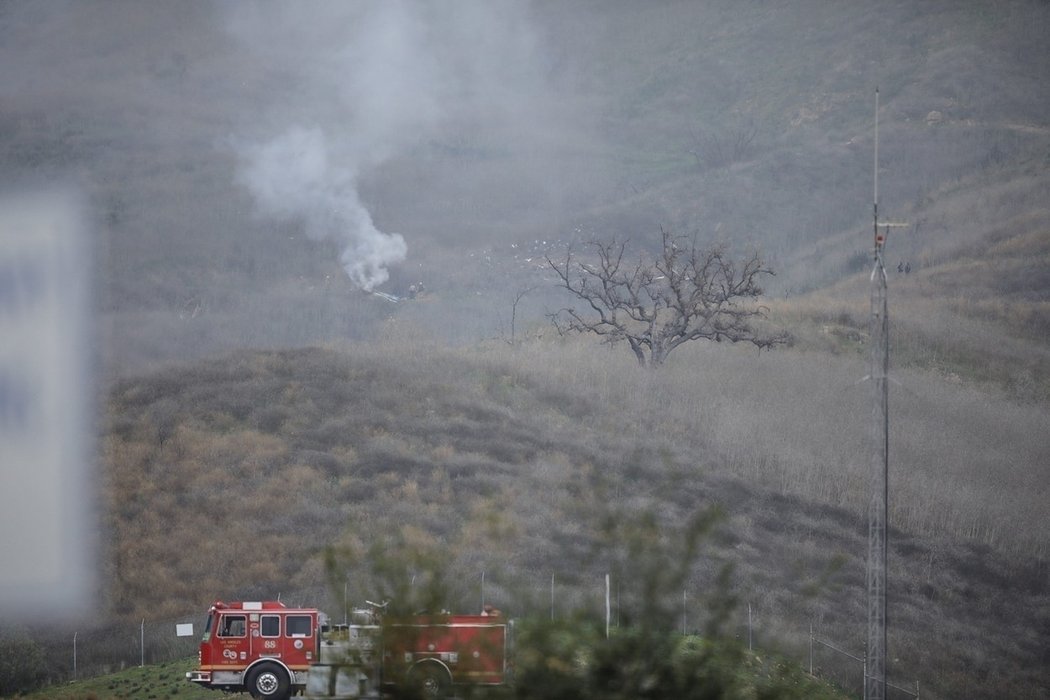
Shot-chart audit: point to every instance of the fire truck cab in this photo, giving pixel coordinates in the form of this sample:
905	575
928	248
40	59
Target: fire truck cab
263	648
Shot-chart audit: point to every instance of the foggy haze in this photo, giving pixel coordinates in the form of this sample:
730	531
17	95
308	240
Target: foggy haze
248	176
311	98
167	117
361	83
245	161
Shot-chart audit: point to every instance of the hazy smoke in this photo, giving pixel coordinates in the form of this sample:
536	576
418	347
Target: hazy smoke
360	83
292	177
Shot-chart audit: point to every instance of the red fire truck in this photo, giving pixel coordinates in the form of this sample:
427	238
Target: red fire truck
272	652
263	648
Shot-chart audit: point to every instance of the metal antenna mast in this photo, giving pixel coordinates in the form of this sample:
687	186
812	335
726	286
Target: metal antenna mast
878	481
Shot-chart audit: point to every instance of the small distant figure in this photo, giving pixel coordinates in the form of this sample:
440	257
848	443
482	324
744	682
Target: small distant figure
490	611
900	266
907	267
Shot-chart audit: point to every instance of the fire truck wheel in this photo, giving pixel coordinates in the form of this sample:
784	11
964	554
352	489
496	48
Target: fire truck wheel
431	682
270	682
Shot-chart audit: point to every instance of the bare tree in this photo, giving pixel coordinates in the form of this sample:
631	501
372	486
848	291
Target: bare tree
513	317
685	293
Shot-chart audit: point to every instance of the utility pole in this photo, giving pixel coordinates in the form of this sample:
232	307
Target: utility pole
878	473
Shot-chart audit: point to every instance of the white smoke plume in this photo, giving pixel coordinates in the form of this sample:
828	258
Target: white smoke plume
359	83
292	177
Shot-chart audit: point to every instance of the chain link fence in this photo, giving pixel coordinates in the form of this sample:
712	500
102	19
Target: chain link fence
86	652
848	670
83	653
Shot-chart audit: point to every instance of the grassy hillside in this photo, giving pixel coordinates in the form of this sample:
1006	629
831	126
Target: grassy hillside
743	122
979	315
229	478
262	418
165	681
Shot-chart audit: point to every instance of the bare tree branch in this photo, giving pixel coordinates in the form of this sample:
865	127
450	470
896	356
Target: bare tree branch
685	293
512	340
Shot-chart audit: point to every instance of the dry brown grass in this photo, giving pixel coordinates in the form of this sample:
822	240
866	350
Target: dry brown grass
969	486
965	464
980	315
485	451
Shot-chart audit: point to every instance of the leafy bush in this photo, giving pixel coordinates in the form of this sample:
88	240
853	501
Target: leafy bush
22	666
572	659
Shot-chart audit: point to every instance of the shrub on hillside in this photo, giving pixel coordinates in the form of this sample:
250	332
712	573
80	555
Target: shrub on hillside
574	660
22	666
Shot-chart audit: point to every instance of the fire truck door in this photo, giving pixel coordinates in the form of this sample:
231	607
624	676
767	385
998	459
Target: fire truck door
267	636
299	638
233	640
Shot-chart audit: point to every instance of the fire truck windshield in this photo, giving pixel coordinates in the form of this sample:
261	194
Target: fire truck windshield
207	628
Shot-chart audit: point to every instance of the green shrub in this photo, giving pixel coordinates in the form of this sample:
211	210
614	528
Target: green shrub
22	666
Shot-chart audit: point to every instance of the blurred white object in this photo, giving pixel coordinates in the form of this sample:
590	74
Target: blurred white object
46	525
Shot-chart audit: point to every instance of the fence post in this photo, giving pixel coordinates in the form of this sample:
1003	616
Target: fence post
607	606
552	597
811	648
75	655
142	643
749	626
684	608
